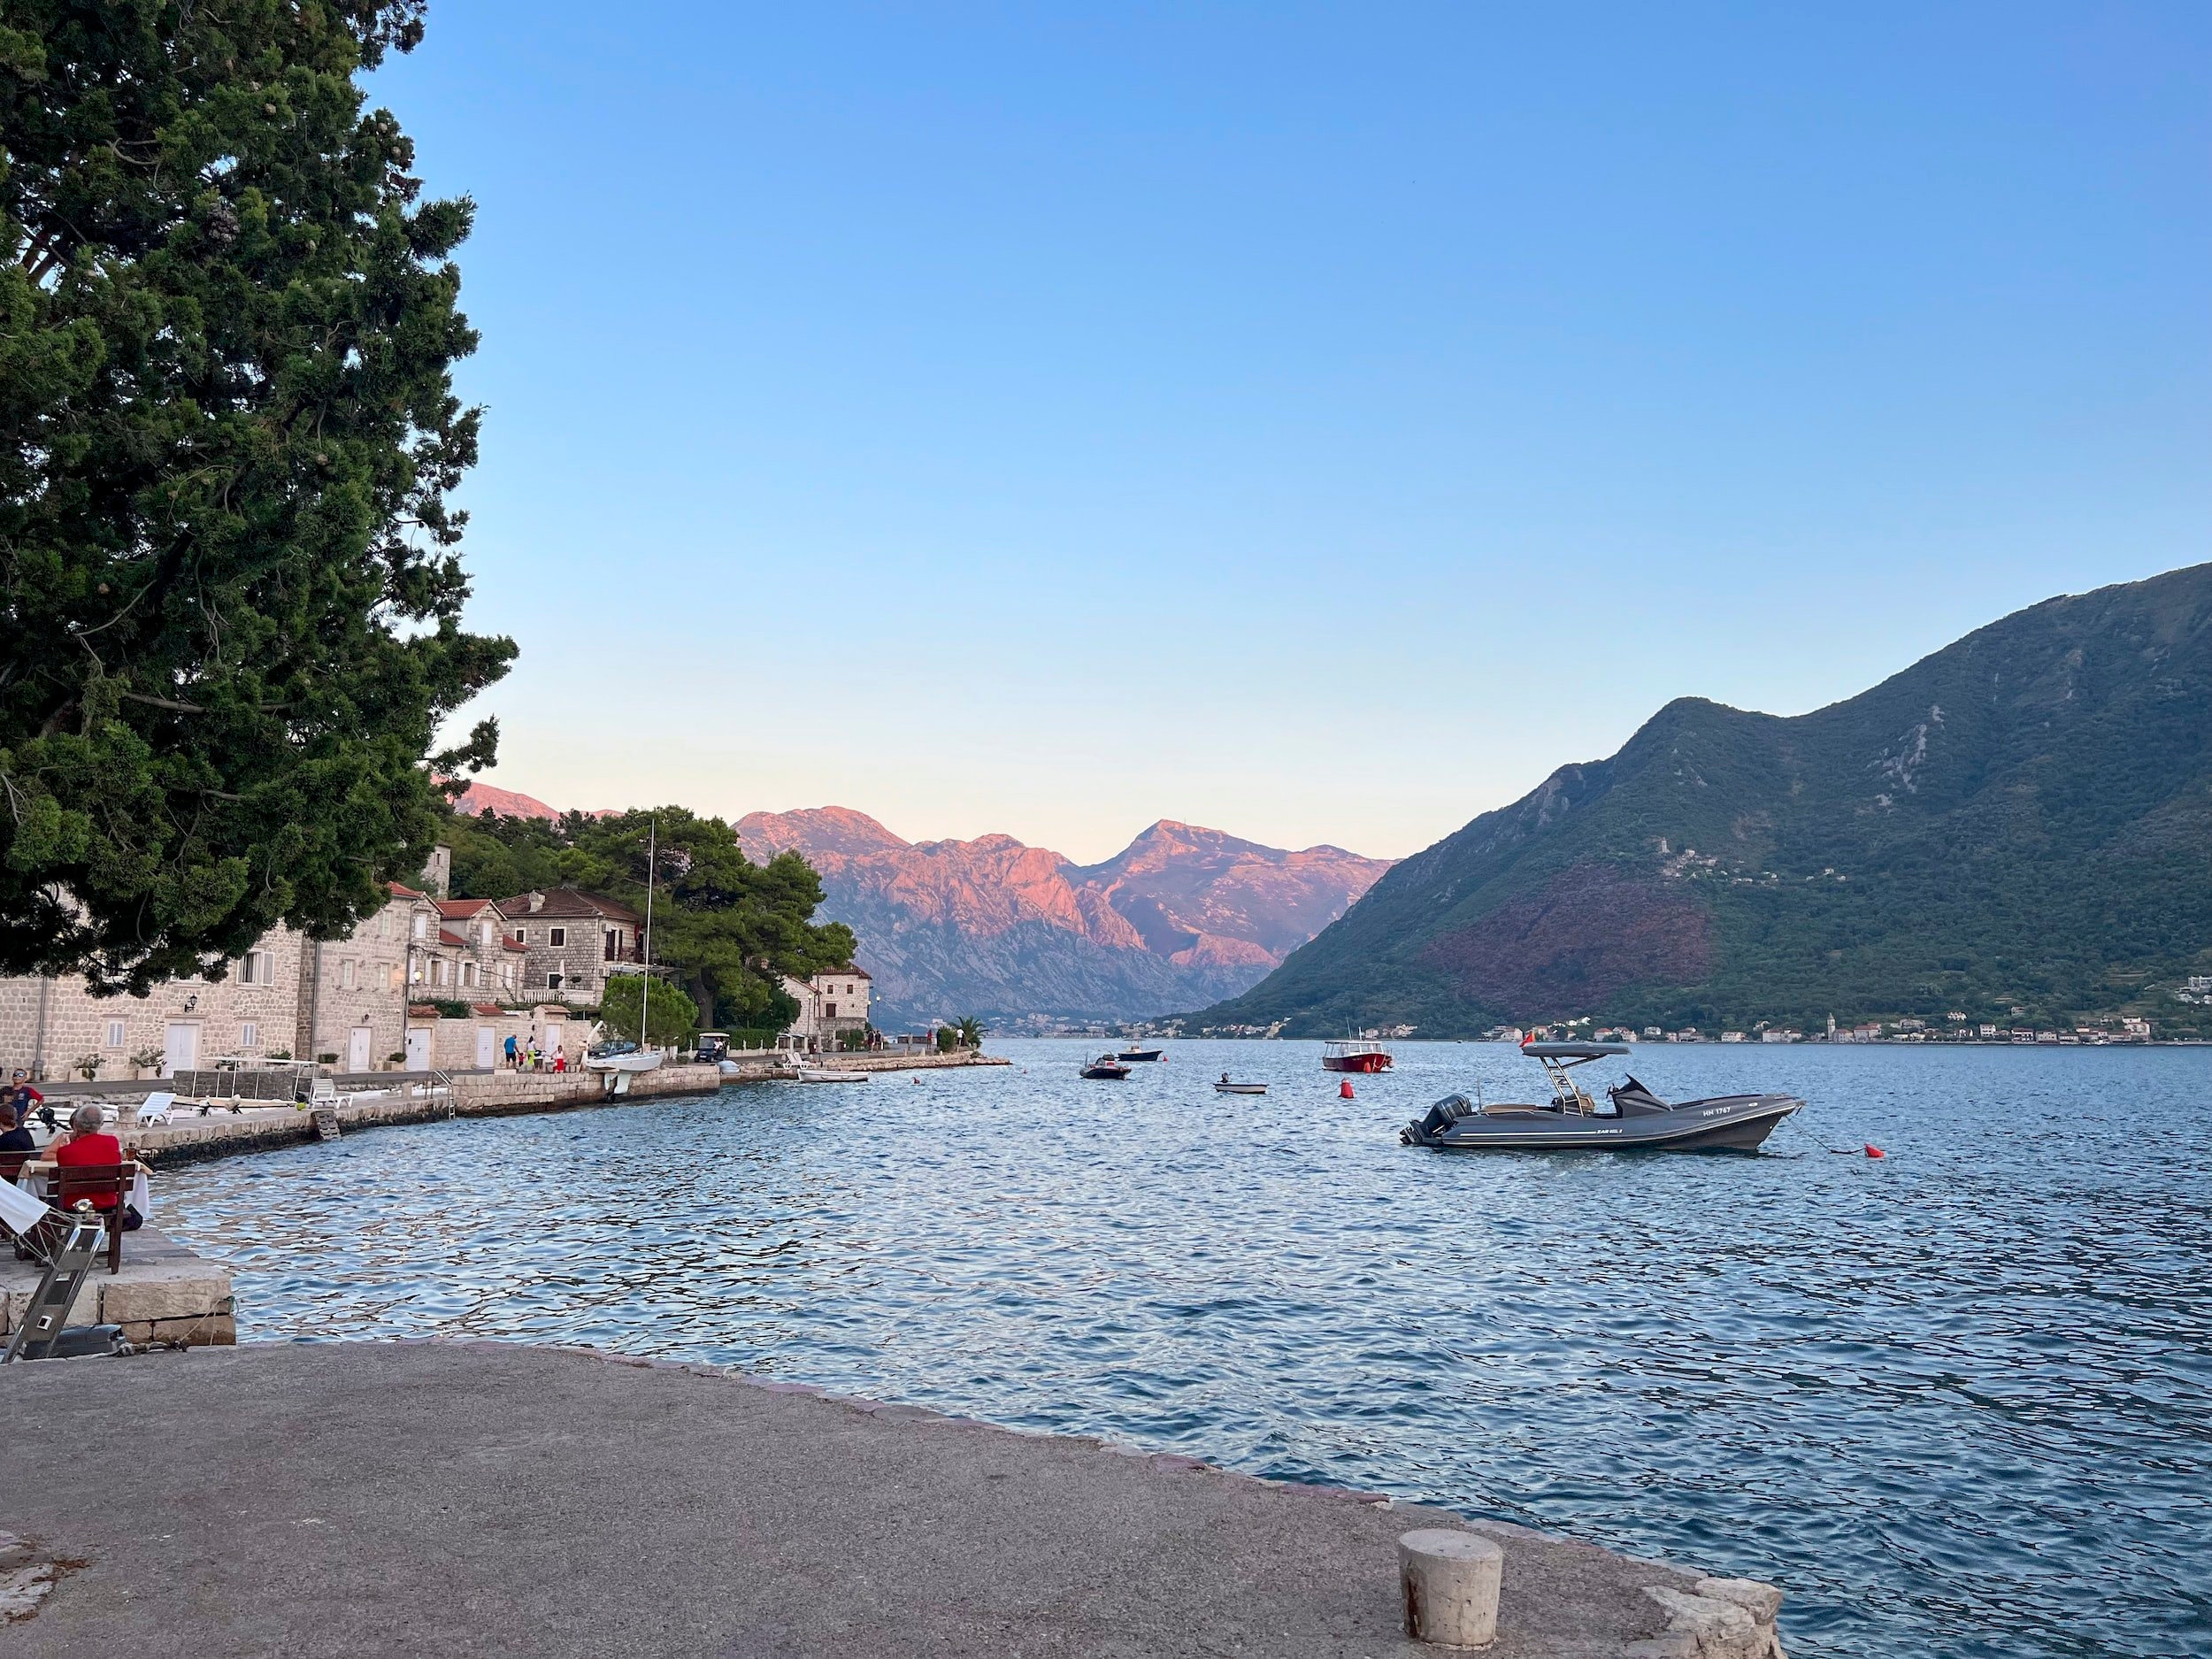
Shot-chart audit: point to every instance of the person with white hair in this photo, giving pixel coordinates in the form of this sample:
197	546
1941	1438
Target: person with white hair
89	1144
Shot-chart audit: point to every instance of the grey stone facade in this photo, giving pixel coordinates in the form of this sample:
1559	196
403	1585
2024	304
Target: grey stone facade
571	942
343	1000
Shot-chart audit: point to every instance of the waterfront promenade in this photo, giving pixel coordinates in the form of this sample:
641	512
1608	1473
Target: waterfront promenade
348	1499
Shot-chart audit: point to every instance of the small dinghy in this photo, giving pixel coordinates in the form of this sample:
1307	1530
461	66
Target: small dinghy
1226	1087
830	1074
1106	1068
1632	1120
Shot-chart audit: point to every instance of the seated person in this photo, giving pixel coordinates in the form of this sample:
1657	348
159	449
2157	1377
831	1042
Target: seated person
91	1145
15	1125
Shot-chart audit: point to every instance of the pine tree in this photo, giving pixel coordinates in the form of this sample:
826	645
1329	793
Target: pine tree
228	579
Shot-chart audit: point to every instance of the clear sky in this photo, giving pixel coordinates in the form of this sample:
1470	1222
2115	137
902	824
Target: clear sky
1314	422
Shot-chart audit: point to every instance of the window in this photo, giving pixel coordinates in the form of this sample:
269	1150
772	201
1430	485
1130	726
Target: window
468	973
614	943
422	926
249	1035
256	967
437	971
552	981
522	935
831	1010
346	971
115	1033
557	937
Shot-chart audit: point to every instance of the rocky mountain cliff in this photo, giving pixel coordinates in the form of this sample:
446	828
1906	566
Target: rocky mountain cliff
1010	932
2019	826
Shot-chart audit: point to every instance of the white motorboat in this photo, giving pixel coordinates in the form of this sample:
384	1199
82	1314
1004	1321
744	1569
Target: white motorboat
830	1074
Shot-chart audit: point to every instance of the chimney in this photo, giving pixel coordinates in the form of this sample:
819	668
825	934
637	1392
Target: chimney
537	902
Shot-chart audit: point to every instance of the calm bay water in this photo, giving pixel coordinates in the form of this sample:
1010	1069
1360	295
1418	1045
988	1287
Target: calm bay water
1958	1401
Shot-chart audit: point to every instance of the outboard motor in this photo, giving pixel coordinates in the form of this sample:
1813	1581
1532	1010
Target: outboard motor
1440	1117
1631	1099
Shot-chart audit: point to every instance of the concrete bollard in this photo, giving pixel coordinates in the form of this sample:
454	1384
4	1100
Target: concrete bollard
1451	1585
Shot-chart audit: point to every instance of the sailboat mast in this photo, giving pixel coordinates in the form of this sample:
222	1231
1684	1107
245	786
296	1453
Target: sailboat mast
645	978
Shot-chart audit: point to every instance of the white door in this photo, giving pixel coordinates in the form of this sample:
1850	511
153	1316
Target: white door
357	1050
180	1048
418	1047
553	1030
485	1047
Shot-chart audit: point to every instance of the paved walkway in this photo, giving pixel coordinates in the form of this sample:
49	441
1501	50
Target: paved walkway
436	1498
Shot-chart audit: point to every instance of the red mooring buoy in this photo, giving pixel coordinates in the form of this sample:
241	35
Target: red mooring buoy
1344	1089
1873	1151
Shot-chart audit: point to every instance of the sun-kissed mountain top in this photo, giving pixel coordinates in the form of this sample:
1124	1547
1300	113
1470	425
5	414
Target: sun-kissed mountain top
1182	915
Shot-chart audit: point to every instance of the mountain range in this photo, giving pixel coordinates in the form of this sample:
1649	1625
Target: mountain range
2019	826
1020	934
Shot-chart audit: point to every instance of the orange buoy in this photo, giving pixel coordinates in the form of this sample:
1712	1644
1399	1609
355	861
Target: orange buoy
1873	1151
1344	1089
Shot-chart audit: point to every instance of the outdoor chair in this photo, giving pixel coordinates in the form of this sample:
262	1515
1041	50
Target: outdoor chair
95	1181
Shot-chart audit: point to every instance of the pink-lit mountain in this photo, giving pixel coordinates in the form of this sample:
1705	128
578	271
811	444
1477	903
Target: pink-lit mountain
1180	917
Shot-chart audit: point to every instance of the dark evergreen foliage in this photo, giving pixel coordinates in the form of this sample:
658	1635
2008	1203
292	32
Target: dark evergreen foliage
228	582
724	925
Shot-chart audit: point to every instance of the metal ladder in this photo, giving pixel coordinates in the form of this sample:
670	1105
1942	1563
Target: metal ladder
66	1270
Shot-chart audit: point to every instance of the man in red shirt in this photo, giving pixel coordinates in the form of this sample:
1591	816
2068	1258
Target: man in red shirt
88	1143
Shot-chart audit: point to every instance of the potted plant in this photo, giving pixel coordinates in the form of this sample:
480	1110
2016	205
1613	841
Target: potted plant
146	1063
88	1066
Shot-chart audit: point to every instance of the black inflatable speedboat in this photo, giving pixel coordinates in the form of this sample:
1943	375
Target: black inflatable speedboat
1633	1118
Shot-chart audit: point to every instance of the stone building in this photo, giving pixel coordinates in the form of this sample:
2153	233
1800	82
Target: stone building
829	1005
345	1002
571	940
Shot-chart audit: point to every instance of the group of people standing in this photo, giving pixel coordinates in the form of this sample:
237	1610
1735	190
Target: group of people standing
526	1056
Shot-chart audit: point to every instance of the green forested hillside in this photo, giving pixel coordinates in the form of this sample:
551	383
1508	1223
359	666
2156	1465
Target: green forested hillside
2022	820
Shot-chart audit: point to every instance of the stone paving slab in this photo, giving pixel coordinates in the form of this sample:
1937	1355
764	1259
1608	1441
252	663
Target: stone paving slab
351	1499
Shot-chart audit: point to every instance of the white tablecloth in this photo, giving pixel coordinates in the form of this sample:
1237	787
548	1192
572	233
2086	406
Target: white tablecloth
142	1193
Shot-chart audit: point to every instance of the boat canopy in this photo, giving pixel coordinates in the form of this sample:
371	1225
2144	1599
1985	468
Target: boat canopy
1573	1050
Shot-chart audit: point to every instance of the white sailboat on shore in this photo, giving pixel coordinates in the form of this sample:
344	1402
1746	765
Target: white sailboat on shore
637	1056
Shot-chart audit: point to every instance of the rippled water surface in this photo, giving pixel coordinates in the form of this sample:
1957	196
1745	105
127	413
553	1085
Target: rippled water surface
1957	1401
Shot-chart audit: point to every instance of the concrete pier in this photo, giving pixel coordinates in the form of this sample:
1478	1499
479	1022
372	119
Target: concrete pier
347	1499
165	1293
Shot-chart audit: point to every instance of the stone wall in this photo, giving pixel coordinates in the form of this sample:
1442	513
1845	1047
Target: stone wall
485	1094
47	1026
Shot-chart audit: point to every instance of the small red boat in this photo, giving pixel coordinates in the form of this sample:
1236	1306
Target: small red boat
1351	1055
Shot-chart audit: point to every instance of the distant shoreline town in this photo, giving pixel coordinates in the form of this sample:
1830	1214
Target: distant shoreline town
1955	1028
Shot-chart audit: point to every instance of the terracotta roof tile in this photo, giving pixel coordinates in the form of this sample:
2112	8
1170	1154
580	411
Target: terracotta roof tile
562	903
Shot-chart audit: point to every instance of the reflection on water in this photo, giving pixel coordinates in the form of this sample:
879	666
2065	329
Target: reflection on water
1957	1401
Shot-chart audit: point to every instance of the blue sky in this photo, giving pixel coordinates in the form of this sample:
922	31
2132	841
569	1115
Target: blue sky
1314	422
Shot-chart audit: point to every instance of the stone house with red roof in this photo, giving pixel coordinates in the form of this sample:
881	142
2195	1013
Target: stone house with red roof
572	940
